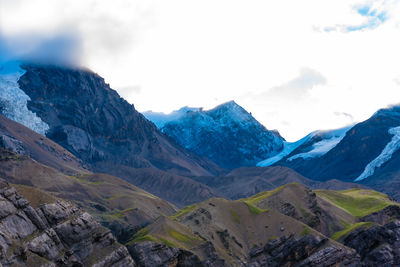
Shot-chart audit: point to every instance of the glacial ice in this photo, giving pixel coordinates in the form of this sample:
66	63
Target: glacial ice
14	101
329	141
385	155
288	147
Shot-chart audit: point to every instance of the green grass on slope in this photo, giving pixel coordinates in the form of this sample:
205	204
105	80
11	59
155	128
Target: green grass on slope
235	216
253	200
336	236
182	237
255	210
357	202
141	236
183	211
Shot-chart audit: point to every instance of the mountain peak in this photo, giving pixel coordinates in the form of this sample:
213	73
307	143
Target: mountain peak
230	103
231	112
227	134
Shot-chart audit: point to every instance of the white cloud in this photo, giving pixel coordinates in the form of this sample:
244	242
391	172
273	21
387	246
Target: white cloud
201	53
297	87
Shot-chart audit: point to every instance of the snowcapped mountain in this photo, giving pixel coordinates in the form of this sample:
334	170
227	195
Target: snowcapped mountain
227	134
368	152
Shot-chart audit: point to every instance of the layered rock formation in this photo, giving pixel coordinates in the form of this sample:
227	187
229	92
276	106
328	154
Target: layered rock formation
54	234
378	245
308	250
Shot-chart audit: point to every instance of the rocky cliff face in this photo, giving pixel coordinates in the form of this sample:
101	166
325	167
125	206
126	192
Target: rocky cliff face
54	234
86	116
227	134
378	245
308	250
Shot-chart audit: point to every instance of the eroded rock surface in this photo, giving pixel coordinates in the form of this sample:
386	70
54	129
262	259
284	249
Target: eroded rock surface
154	254
377	245
309	250
55	234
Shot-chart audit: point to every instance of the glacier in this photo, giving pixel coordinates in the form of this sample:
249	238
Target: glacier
385	155
14	101
288	147
329	141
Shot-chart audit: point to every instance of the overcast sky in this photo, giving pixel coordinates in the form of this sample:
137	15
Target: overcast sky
296	65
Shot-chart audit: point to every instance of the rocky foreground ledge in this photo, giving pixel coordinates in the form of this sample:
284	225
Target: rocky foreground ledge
56	234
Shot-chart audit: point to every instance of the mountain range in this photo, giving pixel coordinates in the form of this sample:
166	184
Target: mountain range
86	180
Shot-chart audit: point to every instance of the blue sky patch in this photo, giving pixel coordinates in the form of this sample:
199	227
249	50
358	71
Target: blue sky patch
374	18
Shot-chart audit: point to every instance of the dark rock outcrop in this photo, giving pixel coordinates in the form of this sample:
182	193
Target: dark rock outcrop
55	234
148	254
12	144
308	250
377	245
383	216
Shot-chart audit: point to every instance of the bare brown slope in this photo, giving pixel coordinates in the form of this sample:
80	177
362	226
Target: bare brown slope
26	141
244	182
176	189
114	202
171	187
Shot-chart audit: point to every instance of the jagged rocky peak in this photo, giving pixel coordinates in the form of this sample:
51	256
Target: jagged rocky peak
227	134
53	234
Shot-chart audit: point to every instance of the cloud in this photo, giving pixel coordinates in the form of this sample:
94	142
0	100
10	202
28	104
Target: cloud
299	86
344	114
63	48
93	32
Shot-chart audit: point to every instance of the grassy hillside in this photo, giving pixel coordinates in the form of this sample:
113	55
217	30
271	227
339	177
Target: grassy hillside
235	227
357	202
301	203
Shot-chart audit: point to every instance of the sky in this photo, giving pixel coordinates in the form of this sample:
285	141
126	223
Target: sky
297	66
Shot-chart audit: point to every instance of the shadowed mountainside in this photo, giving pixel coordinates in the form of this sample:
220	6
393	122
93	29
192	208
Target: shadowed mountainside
94	123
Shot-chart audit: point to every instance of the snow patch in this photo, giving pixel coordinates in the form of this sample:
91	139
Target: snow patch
288	147
14	101
329	141
385	155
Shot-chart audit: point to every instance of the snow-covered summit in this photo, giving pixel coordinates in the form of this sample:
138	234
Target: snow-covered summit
227	134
